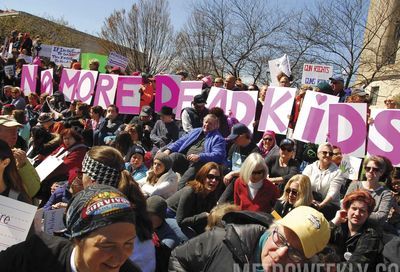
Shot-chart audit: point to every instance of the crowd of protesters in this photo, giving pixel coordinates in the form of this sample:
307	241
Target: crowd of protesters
202	194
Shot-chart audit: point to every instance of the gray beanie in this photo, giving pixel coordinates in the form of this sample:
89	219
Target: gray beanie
157	205
165	159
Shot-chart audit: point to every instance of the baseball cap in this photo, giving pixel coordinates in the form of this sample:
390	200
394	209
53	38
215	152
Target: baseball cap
136	150
199	99
310	226
337	78
157	205
95	207
9	121
237	130
146	111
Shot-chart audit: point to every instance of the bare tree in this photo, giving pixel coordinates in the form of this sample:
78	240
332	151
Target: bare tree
339	34
143	34
230	37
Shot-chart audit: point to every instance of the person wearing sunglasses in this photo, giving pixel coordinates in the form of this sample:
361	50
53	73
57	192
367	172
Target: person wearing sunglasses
297	193
282	167
267	145
326	180
375	167
356	241
191	205
249	241
252	190
390	102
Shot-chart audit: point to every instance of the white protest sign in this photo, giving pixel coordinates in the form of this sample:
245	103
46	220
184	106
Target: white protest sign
189	89
277	107
350	167
117	60
316	73
53	220
64	55
9	70
15	221
242	104
384	135
279	65
312	125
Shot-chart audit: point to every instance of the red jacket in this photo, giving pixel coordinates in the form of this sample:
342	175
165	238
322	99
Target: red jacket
263	201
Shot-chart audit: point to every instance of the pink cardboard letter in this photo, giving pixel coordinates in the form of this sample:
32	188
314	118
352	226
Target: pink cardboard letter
28	78
105	90
85	88
69	81
167	91
218	98
46	79
189	89
128	95
387	125
243	107
353	132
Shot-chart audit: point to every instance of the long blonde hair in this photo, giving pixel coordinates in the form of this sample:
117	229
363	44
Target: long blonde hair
304	195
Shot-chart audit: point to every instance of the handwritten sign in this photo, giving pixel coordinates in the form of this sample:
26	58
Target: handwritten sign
53	220
279	65
9	70
350	167
15	221
64	55
117	60
316	73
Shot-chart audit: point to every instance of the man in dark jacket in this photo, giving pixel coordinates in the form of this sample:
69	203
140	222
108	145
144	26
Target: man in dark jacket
245	244
192	117
108	126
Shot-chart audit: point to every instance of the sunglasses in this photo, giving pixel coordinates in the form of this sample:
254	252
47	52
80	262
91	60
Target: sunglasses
327	153
267	139
369	168
280	241
260	172
288	149
213	177
294	192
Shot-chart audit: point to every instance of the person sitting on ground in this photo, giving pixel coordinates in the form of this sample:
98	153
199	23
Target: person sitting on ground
18	99
191	205
165	130
297	193
252	190
250	240
190	152
357	242
160	179
267	145
135	165
145	124
109	125
43	143
192	117
46	120
282	167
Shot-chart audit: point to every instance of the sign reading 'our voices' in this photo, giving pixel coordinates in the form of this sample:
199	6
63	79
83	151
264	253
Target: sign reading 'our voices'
321	117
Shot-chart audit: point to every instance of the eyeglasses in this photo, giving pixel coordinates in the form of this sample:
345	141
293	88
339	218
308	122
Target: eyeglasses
337	154
259	172
327	153
370	168
213	177
267	139
288	149
280	241
294	192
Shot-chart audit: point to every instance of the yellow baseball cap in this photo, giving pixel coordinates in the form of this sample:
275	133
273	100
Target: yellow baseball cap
310	226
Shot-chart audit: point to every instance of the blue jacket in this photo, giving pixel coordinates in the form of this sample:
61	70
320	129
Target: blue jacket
214	145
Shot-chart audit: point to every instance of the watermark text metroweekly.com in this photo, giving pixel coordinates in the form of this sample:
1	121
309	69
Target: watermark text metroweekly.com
319	267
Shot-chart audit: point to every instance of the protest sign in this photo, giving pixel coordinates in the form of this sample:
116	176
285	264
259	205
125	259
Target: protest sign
105	90
53	220
167	91
117	60
64	55
241	104
188	90
279	65
15	221
350	167
46	81
9	70
84	90
316	73
28	78
277	108
87	57
45	51
384	135
69	81
348	128
128	94
312	125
